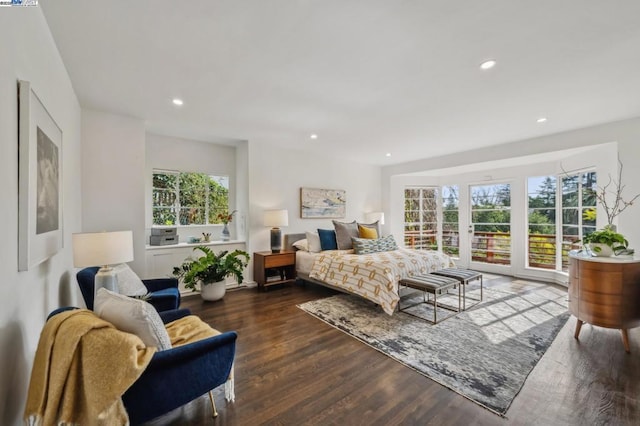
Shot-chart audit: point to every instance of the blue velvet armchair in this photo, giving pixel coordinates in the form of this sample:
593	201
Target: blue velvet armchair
179	375
163	292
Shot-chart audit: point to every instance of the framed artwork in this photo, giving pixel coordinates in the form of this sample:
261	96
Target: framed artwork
322	203
39	181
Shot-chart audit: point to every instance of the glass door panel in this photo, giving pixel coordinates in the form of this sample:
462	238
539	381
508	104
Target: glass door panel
578	211
541	236
491	223
450	214
420	218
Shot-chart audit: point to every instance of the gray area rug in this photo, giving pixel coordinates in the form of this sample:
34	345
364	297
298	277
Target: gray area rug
484	353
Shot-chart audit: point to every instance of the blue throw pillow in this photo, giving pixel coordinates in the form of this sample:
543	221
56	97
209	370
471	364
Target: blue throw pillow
328	239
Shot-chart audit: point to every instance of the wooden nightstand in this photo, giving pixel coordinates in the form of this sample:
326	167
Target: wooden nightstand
274	268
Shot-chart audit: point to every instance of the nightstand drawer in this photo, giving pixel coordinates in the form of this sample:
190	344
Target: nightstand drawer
276	260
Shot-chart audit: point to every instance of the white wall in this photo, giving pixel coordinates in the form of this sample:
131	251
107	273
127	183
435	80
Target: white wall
242	193
276	176
113	176
28	53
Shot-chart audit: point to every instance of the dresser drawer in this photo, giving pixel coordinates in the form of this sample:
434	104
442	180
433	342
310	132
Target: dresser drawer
276	260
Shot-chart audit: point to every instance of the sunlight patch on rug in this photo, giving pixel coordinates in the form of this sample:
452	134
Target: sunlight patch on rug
515	315
484	353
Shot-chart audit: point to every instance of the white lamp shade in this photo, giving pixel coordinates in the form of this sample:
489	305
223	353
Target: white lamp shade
102	248
276	218
373	216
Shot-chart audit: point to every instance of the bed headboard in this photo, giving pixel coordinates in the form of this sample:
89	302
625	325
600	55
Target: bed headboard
289	239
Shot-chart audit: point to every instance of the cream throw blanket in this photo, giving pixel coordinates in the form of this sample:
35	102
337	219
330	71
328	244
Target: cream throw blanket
73	382
191	329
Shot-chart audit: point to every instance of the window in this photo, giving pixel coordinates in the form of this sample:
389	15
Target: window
578	210
491	221
542	246
420	218
450	231
561	210
181	198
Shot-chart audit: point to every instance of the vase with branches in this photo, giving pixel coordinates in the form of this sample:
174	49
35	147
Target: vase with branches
607	241
611	199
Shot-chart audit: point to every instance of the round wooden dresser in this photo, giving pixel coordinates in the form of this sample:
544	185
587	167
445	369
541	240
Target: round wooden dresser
605	291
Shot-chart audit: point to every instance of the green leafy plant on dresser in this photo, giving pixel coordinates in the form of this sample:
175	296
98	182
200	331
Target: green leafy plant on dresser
607	241
609	238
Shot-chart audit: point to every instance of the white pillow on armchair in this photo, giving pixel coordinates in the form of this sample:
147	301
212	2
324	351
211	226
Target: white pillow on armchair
129	283
132	316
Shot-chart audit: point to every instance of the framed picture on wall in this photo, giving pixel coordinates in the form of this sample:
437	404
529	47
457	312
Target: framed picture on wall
318	203
39	181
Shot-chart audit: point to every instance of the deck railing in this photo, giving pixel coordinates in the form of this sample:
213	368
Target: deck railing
495	247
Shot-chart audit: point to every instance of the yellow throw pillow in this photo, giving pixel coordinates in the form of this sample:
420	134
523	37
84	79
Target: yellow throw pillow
369	233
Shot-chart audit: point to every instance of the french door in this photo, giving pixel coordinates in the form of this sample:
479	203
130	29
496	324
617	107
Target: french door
490	226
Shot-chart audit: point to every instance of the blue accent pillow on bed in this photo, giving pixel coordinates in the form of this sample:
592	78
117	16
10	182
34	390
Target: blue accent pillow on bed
328	239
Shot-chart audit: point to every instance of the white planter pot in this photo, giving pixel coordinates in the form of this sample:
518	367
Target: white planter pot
213	291
603	251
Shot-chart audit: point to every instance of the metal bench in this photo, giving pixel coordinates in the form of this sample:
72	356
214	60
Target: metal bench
432	284
463	276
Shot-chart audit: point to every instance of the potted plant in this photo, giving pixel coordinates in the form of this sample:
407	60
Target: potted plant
606	242
208	272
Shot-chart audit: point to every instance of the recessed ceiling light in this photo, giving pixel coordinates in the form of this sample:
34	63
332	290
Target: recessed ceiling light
314	136
177	102
388	154
541	120
486	65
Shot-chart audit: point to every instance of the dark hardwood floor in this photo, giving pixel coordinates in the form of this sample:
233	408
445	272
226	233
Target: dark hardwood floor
293	369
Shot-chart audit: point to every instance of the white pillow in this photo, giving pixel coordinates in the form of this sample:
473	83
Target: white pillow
313	242
132	316
301	245
129	283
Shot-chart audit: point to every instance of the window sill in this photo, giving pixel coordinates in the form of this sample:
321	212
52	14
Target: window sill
187	245
208	225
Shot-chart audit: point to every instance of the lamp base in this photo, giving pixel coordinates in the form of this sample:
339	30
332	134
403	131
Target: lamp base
276	240
106	278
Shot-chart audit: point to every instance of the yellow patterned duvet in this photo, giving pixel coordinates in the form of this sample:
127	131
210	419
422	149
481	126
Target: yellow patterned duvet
375	276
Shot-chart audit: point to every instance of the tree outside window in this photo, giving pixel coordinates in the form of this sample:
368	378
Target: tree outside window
542	247
184	198
420	218
450	214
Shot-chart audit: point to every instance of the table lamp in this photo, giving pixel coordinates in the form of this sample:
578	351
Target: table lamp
103	249
276	219
373	216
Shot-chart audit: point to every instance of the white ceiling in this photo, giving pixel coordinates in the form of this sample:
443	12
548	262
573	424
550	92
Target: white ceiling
369	77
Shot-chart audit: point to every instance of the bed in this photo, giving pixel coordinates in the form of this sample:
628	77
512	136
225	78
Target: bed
373	276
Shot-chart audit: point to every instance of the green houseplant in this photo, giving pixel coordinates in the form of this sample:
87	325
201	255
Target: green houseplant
606	241
210	270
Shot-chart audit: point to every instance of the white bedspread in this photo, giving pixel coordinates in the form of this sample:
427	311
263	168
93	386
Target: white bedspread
304	261
375	276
